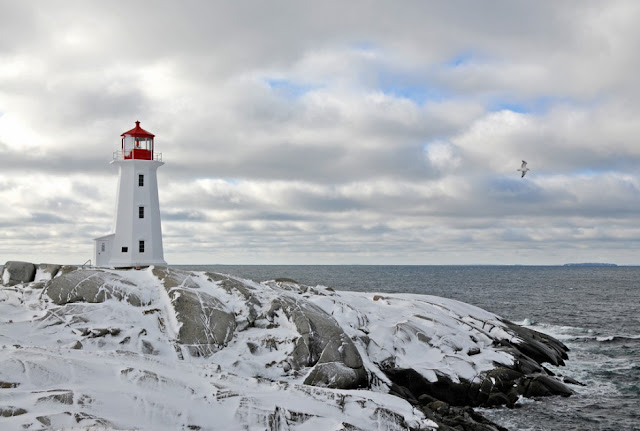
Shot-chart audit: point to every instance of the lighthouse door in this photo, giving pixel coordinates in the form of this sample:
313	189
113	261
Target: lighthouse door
103	250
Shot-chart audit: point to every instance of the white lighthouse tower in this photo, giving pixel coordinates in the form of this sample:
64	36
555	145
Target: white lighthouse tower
137	237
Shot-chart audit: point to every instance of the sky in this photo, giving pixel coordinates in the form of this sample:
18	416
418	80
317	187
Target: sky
295	132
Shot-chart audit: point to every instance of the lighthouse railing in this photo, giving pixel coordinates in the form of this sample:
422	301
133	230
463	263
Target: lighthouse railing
130	155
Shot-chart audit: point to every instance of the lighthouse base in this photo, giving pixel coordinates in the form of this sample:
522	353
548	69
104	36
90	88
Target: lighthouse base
104	257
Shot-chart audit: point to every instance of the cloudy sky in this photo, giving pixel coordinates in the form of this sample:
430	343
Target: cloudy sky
359	132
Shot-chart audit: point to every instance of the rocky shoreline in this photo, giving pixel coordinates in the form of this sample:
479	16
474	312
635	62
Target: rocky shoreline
441	356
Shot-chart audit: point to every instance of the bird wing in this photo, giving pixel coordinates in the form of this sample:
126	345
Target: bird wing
523	174
524	164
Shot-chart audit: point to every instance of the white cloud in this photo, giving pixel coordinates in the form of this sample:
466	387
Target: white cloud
378	135
442	155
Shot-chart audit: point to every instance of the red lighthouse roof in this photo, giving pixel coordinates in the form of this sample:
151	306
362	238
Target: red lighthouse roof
138	132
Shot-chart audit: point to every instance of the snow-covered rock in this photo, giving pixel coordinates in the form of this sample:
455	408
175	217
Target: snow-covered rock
204	323
321	343
93	286
46	271
166	349
16	272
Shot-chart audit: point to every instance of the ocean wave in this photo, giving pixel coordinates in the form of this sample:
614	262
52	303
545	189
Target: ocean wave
577	334
618	338
561	332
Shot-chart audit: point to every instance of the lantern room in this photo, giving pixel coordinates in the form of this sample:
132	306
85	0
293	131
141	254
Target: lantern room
137	144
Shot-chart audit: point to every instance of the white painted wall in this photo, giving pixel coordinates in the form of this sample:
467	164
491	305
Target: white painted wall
129	228
102	250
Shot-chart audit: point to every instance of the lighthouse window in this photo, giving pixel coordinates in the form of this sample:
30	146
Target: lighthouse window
102	247
140	180
140	212
141	246
125	249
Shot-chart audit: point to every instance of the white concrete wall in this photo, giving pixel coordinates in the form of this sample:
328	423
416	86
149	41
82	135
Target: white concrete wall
129	228
100	257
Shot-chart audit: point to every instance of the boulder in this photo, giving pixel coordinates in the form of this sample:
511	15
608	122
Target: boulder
68	268
233	286
538	346
453	393
9	411
46	271
543	385
206	325
91	286
16	272
336	375
323	344
501	386
172	278
452	418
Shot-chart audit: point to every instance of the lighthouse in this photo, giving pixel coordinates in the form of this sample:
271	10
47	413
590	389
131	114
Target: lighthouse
137	236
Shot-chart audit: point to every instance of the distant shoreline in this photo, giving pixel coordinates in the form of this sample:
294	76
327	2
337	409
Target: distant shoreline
461	265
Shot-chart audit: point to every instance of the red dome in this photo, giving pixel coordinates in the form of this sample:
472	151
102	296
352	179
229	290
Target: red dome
138	132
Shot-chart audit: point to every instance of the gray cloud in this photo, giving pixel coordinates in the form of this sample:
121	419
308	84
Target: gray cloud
379	134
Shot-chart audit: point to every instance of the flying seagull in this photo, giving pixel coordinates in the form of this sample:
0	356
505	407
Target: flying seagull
523	169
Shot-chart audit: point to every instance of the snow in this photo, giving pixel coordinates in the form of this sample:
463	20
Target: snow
406	327
127	373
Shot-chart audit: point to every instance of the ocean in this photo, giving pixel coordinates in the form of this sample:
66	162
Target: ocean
595	311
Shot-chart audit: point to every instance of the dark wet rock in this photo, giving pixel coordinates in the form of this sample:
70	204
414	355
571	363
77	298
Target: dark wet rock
538	346
502	386
453	418
542	386
525	364
497	399
536	388
503	377
16	272
402	392
91	286
443	389
571	381
8	385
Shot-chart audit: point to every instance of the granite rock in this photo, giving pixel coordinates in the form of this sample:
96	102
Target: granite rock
206	325
90	285
16	272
